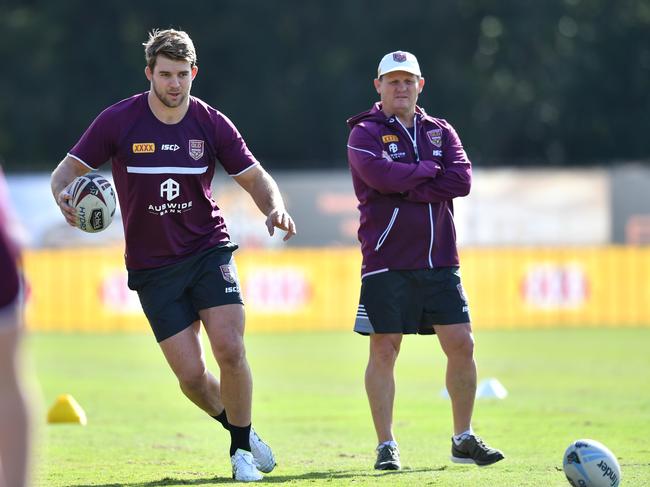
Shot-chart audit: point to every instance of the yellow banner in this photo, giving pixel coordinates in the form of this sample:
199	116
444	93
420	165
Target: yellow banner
308	289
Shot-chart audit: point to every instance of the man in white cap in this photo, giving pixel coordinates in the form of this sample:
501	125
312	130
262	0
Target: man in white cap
407	167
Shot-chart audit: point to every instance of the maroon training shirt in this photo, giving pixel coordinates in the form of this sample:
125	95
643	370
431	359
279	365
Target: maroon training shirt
162	175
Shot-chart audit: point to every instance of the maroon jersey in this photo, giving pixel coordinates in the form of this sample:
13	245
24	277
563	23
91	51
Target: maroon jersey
163	174
9	282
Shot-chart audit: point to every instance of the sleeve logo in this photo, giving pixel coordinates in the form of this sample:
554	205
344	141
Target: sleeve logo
144	148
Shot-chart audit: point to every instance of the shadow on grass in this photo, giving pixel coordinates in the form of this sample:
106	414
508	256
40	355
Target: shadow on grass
271	479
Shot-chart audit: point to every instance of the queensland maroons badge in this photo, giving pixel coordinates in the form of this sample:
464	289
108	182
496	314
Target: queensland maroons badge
228	272
196	149
435	137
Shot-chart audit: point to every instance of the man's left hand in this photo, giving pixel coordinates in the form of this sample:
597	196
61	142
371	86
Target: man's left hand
281	219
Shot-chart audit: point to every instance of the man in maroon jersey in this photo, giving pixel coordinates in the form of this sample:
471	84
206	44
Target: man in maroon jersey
14	418
164	145
407	167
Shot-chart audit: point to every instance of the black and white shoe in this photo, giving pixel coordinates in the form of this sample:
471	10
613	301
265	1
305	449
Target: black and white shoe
471	449
387	458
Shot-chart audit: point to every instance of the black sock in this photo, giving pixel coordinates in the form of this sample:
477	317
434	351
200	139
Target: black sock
239	438
223	419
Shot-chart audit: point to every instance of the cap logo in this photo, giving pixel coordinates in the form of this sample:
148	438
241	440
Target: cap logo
399	57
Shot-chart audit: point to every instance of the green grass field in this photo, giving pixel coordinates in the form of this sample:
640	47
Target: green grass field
310	405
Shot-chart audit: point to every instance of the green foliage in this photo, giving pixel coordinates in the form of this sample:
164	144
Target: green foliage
310	405
560	81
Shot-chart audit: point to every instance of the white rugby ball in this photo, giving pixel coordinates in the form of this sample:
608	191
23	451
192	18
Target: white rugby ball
589	463
94	199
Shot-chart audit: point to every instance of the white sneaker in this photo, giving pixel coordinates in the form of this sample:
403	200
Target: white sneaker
243	467
264	459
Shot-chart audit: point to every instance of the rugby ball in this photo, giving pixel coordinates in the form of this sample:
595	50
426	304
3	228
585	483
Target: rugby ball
588	463
94	199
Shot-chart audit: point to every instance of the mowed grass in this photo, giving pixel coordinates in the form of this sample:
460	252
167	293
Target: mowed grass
310	405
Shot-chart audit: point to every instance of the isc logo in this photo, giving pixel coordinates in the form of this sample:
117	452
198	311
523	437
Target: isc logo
171	147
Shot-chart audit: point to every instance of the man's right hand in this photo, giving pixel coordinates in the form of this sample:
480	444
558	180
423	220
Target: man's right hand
62	177
63	200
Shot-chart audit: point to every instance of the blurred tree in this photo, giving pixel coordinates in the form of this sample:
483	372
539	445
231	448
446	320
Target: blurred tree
524	82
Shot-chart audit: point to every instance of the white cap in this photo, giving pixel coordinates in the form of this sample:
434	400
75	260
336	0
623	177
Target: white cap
398	61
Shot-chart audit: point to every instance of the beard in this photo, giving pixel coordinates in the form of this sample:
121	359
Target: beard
165	100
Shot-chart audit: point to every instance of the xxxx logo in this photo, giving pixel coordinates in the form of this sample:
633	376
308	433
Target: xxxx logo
144	148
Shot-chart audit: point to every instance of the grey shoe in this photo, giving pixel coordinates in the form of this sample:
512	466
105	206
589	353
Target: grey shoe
387	458
472	450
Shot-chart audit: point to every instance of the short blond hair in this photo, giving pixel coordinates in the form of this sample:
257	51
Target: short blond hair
174	44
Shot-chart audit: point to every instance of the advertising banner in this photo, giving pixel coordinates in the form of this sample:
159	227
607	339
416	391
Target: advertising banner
318	288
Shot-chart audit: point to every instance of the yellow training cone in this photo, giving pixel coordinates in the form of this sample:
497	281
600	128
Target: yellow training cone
66	410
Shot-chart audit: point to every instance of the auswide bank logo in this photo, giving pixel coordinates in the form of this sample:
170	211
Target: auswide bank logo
169	191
